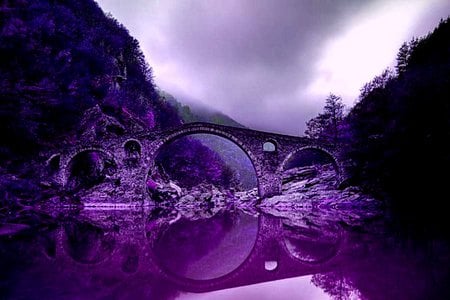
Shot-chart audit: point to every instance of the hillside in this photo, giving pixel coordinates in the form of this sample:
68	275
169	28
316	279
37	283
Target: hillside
66	68
60	59
190	114
400	128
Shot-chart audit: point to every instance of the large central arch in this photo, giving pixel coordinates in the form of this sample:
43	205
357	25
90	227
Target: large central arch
205	130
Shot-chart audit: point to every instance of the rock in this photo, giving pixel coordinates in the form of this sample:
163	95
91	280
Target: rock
206	196
299	173
176	188
95	125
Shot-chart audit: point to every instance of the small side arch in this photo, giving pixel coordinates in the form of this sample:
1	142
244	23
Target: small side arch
66	167
270	146
132	148
337	166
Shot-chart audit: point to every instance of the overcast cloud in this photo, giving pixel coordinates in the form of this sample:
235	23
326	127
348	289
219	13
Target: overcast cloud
270	64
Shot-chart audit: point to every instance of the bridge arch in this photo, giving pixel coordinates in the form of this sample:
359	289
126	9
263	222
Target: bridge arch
312	246
195	129
132	145
54	162
66	166
335	162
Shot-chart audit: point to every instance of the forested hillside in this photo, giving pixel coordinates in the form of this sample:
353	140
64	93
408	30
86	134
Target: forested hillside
61	59
400	128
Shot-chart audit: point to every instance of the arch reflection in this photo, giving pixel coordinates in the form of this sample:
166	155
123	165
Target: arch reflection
312	245
206	249
87	244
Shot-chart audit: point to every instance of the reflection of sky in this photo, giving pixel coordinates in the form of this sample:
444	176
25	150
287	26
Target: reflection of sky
292	288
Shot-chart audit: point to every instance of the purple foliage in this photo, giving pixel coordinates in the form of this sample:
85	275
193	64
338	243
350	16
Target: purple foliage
59	59
190	163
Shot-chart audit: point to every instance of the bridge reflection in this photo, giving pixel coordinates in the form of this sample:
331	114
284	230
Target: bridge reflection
226	250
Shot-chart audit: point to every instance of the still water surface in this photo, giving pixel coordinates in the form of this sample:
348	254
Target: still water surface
230	254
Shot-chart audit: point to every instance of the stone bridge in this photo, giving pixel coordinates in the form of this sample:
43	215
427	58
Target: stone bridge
268	152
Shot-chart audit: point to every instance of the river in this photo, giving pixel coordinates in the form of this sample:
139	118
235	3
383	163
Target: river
231	253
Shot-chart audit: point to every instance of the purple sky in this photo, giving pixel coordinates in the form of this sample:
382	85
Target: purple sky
270	64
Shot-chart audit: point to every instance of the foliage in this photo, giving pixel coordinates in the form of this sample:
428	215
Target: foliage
404	54
336	285
190	163
401	126
59	59
198	114
327	124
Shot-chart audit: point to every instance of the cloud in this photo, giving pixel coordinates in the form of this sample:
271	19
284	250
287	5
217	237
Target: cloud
268	64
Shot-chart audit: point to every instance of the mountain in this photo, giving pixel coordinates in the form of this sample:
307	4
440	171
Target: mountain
198	113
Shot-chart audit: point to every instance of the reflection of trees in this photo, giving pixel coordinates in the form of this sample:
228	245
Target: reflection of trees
336	285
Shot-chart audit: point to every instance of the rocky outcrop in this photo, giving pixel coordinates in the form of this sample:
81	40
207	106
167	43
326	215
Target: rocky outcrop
316	199
310	197
95	124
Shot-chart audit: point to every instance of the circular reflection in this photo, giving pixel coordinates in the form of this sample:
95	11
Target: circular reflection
87	244
207	248
311	245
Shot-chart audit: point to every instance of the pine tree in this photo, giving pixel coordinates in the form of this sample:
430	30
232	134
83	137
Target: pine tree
402	58
334	110
326	124
404	54
315	126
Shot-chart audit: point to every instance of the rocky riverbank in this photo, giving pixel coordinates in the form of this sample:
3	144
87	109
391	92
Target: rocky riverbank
309	193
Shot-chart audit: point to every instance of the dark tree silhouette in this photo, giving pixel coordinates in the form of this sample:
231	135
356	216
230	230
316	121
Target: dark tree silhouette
326	125
400	130
404	54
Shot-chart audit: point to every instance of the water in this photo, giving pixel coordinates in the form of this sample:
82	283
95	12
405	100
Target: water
227	254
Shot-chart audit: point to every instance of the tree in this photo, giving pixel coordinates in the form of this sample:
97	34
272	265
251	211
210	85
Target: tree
327	124
334	110
404	54
378	82
316	126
